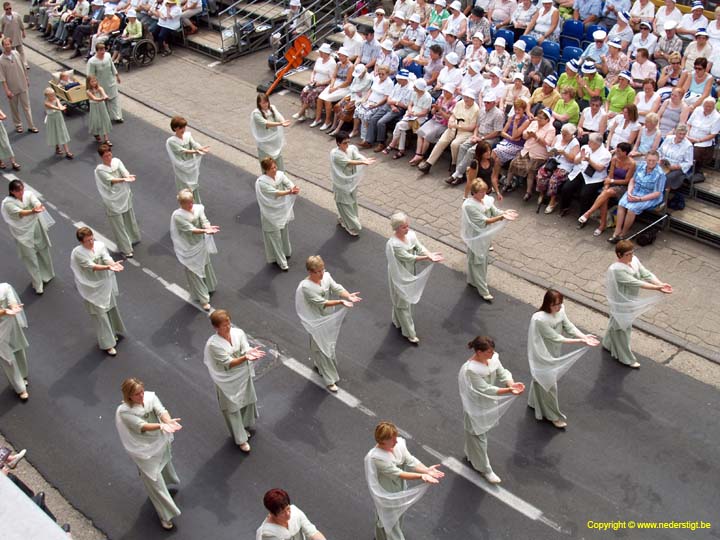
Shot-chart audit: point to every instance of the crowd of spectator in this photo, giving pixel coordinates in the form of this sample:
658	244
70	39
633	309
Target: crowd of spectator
642	91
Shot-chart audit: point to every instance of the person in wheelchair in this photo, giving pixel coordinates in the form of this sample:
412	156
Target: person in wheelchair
122	45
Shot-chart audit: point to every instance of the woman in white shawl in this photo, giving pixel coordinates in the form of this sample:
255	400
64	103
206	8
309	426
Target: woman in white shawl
480	221
13	343
267	128
625	279
185	155
275	194
29	222
146	431
285	521
346	172
388	467
549	329
94	270
228	358
112	180
486	390
316	298
403	250
191	234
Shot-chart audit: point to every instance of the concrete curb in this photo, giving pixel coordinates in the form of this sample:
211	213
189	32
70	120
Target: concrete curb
648	328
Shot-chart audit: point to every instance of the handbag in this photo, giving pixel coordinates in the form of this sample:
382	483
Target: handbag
551	165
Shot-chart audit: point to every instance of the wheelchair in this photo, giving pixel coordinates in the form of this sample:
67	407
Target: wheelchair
139	52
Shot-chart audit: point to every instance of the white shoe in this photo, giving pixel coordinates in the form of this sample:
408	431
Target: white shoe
549	209
167	525
488	298
333	388
112	351
315	123
560	424
245	447
635	365
18	457
296	116
324	127
414	339
492	478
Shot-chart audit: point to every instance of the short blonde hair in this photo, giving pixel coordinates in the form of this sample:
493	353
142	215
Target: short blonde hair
675	56
398	219
568	89
652	117
129	387
185	195
477	186
385	431
314	262
49	92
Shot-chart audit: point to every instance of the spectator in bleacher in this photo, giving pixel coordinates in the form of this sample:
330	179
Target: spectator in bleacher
648	138
620	94
487	131
713	30
642	10
494	84
519	62
696	84
570	77
591	84
438	14
109	24
586	177
676	156
671	111
670	76
566	109
642	68
510	144
648	100
456	22
545	24
430	132
433	37
499	57
621	31
521	17
11	25
396	28
190	8
611	11
449	74
704	125
370	49
478	23
404	6
393	110
645	191
415	116
693	21
168	16
412	38
700	48
475	52
16	84
387	57
623	128
380	91
68	21
320	78
668	44
587	11
146	14
596	50
87	27
453	44
669	12
614	63
546	96
593	119
500	12
380	24
299	20
337	89
473	79
512	92
645	40
539	136
352	41
460	127
133	31
537	70
563	151
51	15
345	109
434	66
622	169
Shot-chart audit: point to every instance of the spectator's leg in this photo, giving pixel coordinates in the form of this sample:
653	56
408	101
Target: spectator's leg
620	220
445	140
387	119
465	154
568	191
14	111
588	194
629	220
455	145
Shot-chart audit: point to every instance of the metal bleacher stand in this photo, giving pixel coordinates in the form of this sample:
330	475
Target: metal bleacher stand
21	518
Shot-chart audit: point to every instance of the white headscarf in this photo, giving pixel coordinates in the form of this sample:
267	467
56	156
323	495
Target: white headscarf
147	450
623	308
192	256
342	182
7	322
269	140
545	368
484	410
186	170
390	506
475	237
23	228
323	328
277	210
116	196
96	291
234	382
408	286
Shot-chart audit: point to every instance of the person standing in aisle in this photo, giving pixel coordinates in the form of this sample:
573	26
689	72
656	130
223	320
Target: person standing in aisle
185	155
11	26
16	84
55	129
267	126
345	175
102	67
13	343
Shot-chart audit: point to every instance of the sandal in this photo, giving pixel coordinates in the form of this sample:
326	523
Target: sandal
415	160
69	155
387	149
526	197
16	166
58	151
399	154
34	130
19	129
97	138
598	231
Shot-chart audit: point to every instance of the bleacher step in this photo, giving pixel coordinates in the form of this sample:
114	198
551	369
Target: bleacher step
709	190
699	220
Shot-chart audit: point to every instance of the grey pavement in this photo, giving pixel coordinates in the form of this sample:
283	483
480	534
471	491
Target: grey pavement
547	250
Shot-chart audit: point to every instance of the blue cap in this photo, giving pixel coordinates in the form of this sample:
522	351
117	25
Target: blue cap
589	67
698	4
616	43
624	16
432	27
548	112
403	74
574	65
701	32
626	75
551	80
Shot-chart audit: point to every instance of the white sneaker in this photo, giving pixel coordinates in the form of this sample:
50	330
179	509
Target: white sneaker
18	457
324	127
315	123
296	116
492	478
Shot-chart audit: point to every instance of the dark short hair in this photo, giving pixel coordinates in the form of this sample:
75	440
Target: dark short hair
478	11
364	29
623	246
625	147
177	122
102	149
481	343
536	51
266	163
341	136
437	49
15	185
82	233
551	297
276	500
701	62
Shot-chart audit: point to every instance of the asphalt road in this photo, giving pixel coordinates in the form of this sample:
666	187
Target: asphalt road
641	445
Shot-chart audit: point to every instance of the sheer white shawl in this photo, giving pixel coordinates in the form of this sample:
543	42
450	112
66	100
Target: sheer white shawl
478	238
323	328
234	382
276	210
341	181
626	308
408	286
7	322
23	228
484	410
186	170
192	256
98	291
116	196
268	140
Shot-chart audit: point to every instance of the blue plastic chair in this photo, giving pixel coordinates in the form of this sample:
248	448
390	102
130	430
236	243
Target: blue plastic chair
572	33
568	53
509	38
588	34
551	51
530	42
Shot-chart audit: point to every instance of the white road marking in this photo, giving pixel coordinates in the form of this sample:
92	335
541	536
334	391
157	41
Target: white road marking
133	262
50	205
212	64
63	214
10	176
304	371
